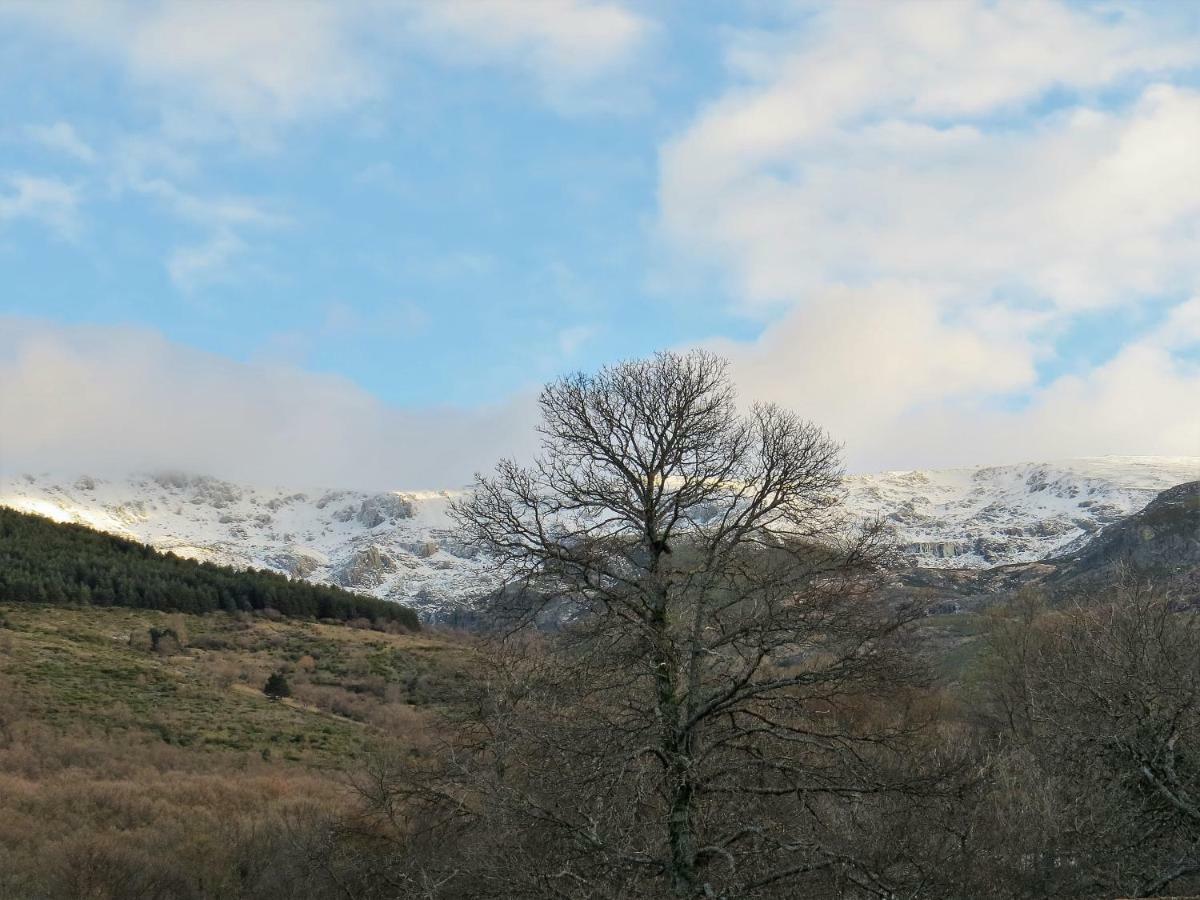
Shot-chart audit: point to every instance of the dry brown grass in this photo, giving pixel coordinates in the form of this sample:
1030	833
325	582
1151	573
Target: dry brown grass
84	816
126	773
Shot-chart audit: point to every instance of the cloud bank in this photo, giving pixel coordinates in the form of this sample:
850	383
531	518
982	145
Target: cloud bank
922	200
114	400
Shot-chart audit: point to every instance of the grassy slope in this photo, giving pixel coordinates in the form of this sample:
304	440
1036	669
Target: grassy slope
90	668
125	773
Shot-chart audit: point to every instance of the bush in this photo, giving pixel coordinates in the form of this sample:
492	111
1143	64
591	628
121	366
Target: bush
277	686
165	641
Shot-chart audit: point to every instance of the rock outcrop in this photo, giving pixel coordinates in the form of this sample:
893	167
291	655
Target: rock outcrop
295	563
381	508
367	568
1160	542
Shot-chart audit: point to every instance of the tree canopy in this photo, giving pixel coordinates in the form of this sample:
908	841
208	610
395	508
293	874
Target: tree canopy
725	674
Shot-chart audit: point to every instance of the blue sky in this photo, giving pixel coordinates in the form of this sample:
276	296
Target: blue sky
450	240
951	233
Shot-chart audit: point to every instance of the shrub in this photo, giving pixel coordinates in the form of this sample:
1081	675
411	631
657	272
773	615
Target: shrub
277	686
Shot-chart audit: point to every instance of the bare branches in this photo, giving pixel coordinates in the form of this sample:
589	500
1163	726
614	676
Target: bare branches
1103	700
711	587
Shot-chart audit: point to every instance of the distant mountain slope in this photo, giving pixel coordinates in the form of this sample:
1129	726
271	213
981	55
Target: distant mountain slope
1161	541
995	515
401	546
59	563
392	546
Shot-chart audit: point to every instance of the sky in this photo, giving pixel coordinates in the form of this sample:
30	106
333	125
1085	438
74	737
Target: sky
345	241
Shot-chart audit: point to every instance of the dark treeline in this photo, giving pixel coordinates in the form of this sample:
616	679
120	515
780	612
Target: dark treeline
45	562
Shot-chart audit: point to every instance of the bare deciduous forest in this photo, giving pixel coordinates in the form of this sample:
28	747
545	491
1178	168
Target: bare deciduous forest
731	709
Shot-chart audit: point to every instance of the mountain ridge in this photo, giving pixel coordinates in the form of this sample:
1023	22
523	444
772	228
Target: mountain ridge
402	545
1160	542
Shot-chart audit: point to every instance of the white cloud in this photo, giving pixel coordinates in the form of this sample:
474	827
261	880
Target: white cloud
192	266
216	212
49	201
556	40
1140	402
919	198
108	399
901	387
1084	208
852	64
571	339
1181	328
249	69
245	66
151	169
865	361
61	137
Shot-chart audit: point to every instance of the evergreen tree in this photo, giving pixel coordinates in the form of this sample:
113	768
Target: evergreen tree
277	686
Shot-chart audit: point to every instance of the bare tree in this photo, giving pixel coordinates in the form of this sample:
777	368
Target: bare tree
721	703
1099	703
726	697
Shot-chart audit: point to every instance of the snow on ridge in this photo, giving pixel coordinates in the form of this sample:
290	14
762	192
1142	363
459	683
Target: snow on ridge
990	515
401	545
394	545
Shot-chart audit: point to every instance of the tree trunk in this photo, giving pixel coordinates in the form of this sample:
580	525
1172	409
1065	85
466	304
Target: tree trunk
677	758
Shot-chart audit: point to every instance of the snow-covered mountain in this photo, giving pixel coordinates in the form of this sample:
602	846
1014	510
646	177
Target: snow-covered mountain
991	515
397	546
402	546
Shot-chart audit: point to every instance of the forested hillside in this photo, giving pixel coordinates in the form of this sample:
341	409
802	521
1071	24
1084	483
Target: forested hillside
45	562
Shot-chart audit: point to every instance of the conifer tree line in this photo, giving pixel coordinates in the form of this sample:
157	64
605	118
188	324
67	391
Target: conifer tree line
45	562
